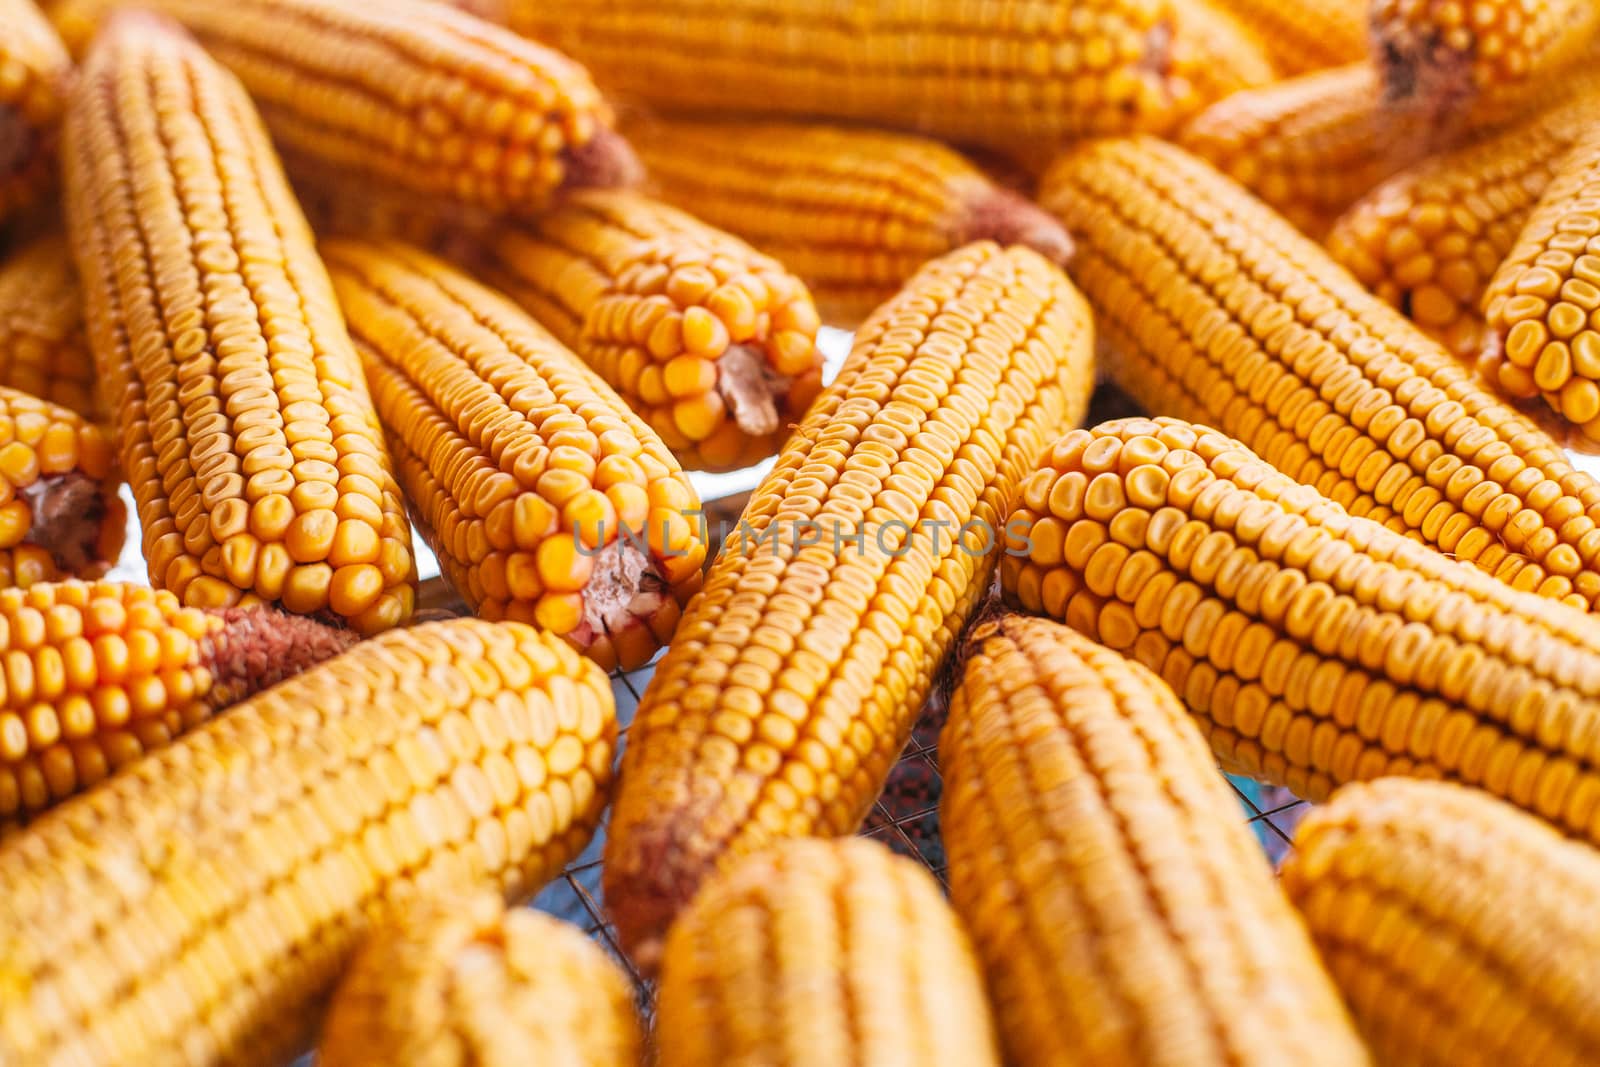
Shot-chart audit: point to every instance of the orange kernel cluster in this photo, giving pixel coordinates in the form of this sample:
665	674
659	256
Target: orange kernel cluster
43	350
35	75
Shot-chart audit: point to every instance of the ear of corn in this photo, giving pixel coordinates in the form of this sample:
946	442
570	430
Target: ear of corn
796	674
459	980
1460	929
712	342
35	73
854	212
835	952
544	497
410	95
1305	35
969	72
1123	911
246	430
1215	310
248	858
1215	55
43	350
1315	648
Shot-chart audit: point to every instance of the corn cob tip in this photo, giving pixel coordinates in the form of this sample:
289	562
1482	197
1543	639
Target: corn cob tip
750	388
605	161
68	512
625	590
1002	216
258	647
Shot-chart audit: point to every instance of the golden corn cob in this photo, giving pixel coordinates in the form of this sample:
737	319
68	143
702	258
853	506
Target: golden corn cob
814	952
1309	146
1214	55
97	674
459	980
247	859
854	212
795	676
1217	311
247	433
1460	930
35	76
1123	911
43	350
544	497
970	72
410	95
1305	35
1315	648
712	342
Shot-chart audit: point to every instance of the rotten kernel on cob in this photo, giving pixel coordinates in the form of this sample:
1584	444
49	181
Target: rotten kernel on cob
410	95
43	350
1122	911
247	434
1305	35
252	854
1460	930
813	952
1215	310
969	73
711	342
544	497
1314	648
35	76
854	212
795	676
460	980
97	674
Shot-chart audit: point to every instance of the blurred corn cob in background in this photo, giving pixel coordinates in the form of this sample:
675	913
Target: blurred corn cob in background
795	677
544	497
246	430
854	212
813	952
43	350
712	343
1099	861
1302	36
35	75
460	980
251	855
1214	55
1460	930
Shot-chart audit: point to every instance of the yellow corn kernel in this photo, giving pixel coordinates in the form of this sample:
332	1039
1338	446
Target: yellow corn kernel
249	858
35	76
242	415
854	212
459	980
795	676
1215	55
43	351
1216	311
1078	796
511	451
1305	35
1459	929
803	953
1315	648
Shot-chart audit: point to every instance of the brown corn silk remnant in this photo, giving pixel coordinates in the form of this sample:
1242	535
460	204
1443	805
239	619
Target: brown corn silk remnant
1313	647
246	430
459	980
1217	311
545	498
1458	928
457	756
35	78
795	956
1306	35
43	350
795	677
1112	892
853	212
1046	73
668	310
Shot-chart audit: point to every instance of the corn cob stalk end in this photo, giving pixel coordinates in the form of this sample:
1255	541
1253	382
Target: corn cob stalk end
1000	215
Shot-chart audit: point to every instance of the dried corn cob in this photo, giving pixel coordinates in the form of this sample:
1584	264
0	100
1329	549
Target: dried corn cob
248	858
1315	648
459	980
97	674
970	73
835	952
854	212
34	77
42	347
411	95
1217	311
1460	930
544	497
1123	911
1309	146
1303	36
1215	55
247	432
795	676
712	342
